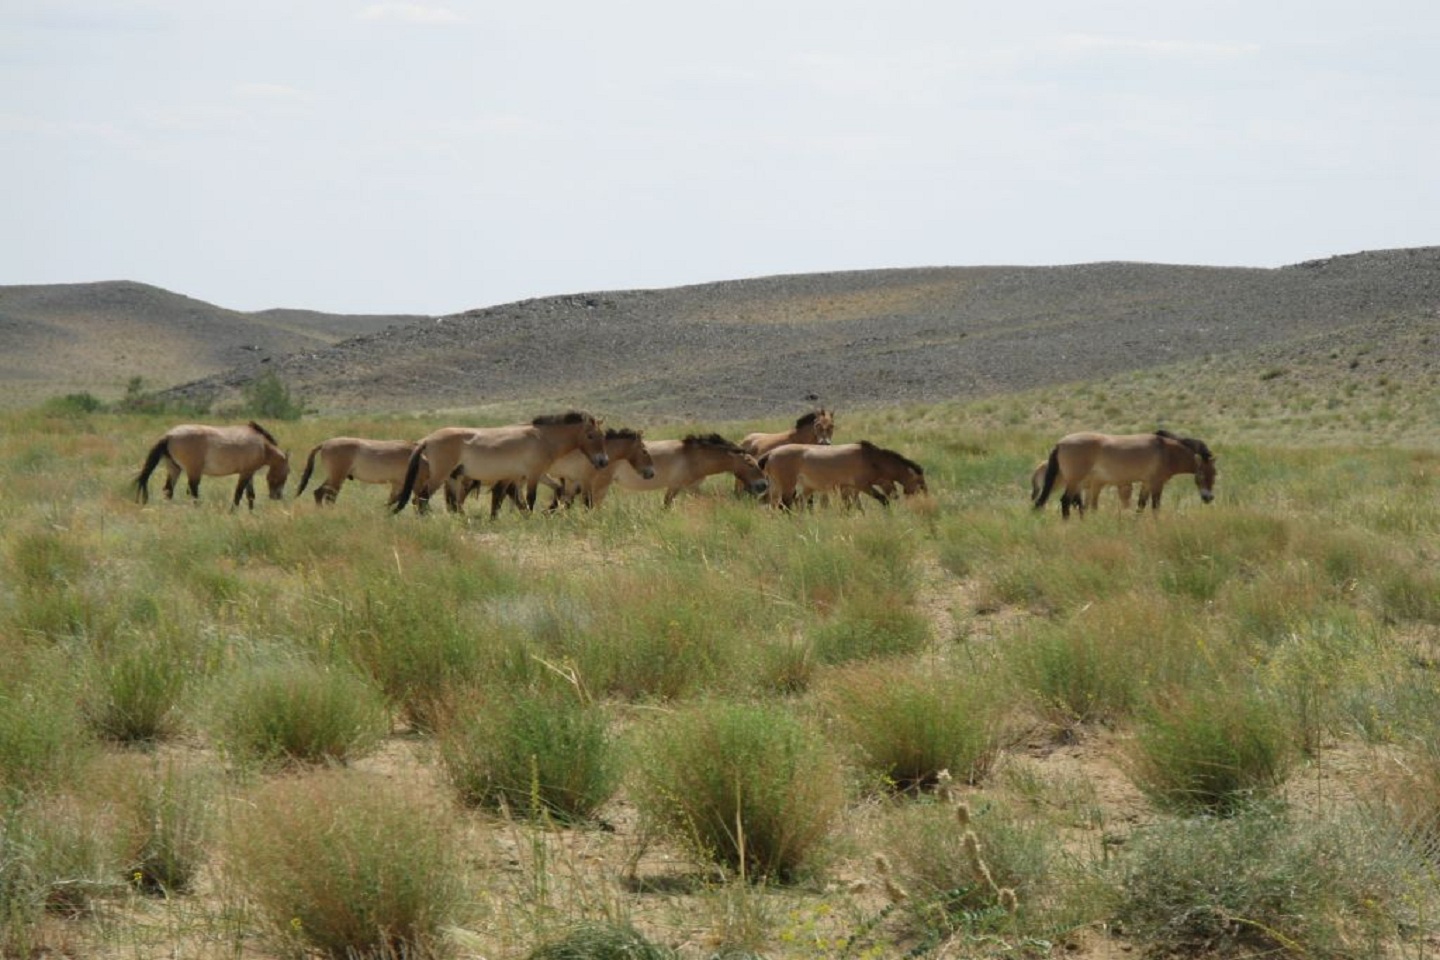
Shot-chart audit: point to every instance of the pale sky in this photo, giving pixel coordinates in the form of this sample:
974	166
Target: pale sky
432	157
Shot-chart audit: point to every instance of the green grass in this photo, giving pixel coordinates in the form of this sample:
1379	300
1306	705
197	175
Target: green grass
172	672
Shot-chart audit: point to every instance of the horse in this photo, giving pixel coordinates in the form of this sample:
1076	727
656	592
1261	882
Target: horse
204	451
519	454
817	426
684	464
1150	459
1092	491
849	468
574	475
368	461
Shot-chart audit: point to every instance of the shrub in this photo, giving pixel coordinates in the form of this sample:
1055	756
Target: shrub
531	753
954	866
298	711
1211	751
43	744
864	629
1258	883
346	865
910	725
132	694
748	787
74	404
170	812
601	941
268	396
57	855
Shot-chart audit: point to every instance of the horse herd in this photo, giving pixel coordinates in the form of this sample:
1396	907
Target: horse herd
572	455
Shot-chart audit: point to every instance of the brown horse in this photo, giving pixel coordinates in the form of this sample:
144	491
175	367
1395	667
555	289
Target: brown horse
1151	459
684	464
575	475
368	461
1092	490
204	451
817	426
519	454
849	469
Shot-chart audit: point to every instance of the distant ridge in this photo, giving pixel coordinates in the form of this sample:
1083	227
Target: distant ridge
733	349
770	345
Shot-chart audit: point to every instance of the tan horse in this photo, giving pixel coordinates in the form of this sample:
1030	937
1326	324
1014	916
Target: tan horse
848	469
684	464
817	426
575	475
203	451
1092	490
367	461
1151	459
519	454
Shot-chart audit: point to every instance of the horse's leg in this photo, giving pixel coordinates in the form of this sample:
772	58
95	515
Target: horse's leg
1156	487
192	480
240	485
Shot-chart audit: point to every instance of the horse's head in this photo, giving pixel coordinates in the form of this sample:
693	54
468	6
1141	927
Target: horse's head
1205	477
748	472
629	445
278	473
913	482
824	426
589	438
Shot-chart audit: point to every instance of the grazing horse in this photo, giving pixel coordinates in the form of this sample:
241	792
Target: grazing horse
1092	490
575	475
368	461
817	426
848	468
518	454
683	464
204	451
1151	459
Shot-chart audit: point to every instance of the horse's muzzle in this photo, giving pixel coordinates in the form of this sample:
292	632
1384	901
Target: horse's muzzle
600	460
648	473
760	486
1207	496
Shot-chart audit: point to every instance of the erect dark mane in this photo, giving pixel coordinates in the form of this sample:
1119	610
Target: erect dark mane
1196	445
807	420
558	419
874	451
264	433
709	440
621	433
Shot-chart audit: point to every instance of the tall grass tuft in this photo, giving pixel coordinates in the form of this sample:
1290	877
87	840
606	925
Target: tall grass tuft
867	627
165	819
296	711
131	693
531	752
1212	751
347	866
910	724
1260	883
43	742
748	787
601	941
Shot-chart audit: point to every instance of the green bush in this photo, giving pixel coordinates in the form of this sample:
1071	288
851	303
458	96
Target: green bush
909	724
869	628
601	941
132	695
746	786
297	711
1212	751
346	865
170	818
532	753
1258	884
268	396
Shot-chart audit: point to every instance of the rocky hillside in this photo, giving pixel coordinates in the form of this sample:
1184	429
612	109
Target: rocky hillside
752	348
738	349
65	338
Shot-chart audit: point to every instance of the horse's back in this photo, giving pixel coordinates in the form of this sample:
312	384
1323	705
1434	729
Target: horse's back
373	461
1108	458
215	451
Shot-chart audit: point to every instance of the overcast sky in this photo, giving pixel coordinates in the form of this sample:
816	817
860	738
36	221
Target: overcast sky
431	157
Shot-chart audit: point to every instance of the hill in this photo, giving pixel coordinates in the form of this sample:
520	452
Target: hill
64	338
751	348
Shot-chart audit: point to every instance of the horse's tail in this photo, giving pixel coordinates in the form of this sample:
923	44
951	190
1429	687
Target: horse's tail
1052	471
152	460
309	469
412	471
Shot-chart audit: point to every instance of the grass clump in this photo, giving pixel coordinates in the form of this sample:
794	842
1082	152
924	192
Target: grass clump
532	753
1260	883
601	941
909	724
1212	751
867	628
131	693
748	787
346	866
297	711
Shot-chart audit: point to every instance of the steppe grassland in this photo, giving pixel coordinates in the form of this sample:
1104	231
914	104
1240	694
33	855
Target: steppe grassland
1089	689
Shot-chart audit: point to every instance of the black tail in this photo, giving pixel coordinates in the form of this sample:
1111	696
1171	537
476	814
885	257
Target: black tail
152	460
309	468
412	470
1052	470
